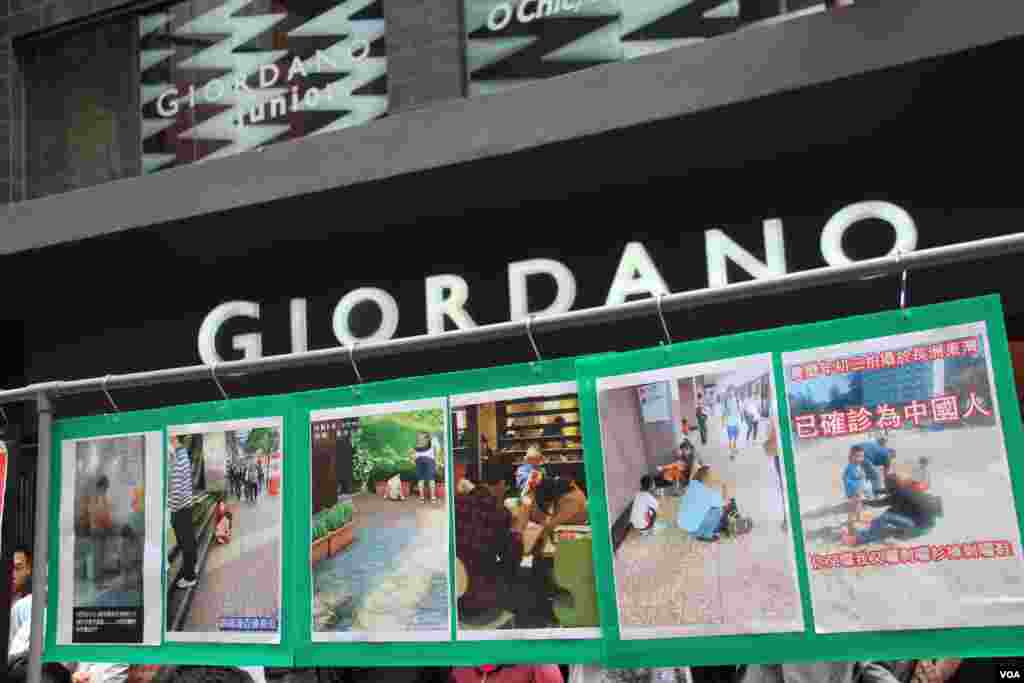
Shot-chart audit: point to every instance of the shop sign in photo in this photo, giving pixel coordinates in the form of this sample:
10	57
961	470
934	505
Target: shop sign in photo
905	495
109	574
696	496
224	531
379	547
523	536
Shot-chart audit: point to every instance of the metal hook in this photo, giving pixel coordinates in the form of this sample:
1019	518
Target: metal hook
3	414
903	283
664	325
352	360
110	398
533	342
216	380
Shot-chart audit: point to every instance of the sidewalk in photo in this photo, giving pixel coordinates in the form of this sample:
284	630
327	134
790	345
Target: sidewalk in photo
242	578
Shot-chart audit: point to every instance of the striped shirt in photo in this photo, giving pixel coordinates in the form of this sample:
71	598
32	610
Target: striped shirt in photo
181	481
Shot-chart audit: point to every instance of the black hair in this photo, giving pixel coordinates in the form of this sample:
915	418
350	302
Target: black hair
646	482
549	491
924	460
102	484
26	551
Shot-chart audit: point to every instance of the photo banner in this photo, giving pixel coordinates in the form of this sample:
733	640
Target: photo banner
804	493
216	474
504	489
5	464
110	540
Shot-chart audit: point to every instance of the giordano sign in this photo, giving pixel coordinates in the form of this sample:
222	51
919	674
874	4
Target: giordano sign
636	275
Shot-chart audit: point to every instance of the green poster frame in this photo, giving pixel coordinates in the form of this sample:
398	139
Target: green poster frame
214	654
808	645
416	654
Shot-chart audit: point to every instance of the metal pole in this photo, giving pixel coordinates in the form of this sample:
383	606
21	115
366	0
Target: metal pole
42	538
818	277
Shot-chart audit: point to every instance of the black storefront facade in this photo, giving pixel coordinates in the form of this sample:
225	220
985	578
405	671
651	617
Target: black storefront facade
677	161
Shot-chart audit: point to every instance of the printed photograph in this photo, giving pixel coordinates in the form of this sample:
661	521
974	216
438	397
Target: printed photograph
905	494
224	523
379	551
523	541
106	533
696	496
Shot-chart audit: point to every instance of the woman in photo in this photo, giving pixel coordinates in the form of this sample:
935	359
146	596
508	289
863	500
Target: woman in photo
424	454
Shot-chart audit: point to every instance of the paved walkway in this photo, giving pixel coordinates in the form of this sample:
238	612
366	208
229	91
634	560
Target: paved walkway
394	578
243	578
970	474
744	585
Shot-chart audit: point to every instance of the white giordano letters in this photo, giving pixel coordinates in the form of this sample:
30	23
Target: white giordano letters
719	247
636	275
900	220
388	315
447	296
518	277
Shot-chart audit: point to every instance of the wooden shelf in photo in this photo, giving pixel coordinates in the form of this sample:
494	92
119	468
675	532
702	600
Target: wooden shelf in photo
539	413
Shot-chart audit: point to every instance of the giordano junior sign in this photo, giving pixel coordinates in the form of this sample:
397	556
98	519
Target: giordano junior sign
447	294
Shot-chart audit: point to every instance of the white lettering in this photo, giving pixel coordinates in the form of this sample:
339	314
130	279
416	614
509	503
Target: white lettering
300	326
161	103
192	96
278	106
718	246
636	274
296	67
502	10
240	85
834	231
269	73
388	315
250	344
545	8
518	276
521	12
447	296
312	97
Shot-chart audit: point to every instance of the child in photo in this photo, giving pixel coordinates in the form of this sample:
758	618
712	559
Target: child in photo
855	485
645	507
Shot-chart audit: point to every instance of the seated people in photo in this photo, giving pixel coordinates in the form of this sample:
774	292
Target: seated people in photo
489	543
645	507
700	510
688	450
910	513
877	456
394	488
525	473
559	502
855	487
223	523
922	476
676	473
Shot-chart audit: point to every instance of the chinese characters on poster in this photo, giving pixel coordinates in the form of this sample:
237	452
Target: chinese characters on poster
904	487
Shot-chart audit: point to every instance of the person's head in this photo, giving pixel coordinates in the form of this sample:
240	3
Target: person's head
897	481
22	573
856	455
465	487
646	482
559	420
923	462
102	485
422	440
703	474
534	455
550	491
883	441
700	397
686	426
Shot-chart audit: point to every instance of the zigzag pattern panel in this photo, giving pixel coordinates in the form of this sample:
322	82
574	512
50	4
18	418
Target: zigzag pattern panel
220	77
513	42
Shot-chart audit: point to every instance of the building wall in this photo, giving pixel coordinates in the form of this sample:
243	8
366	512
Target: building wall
622	440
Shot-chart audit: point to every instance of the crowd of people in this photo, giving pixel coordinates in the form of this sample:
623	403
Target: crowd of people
247	480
